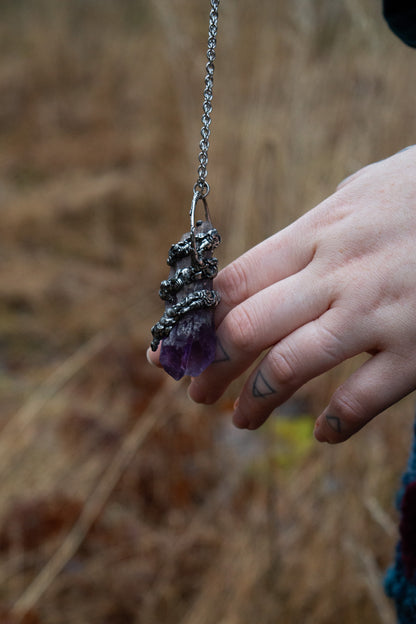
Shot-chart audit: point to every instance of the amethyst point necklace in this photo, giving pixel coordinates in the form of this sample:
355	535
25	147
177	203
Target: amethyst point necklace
186	329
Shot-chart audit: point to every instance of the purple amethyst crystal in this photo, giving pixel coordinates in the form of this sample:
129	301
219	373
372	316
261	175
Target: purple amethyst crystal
190	347
187	329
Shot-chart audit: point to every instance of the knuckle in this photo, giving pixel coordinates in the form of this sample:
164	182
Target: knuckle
284	367
346	407
330	342
233	283
241	330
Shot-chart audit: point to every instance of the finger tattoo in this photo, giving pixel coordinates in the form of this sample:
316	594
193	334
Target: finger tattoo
221	354
334	422
261	387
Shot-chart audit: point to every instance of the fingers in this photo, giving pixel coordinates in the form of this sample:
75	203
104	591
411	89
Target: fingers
309	351
271	261
259	322
279	256
376	385
255	325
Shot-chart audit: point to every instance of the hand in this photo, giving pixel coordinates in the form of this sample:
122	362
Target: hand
338	282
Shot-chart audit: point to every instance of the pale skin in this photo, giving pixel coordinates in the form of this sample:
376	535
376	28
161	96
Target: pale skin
338	282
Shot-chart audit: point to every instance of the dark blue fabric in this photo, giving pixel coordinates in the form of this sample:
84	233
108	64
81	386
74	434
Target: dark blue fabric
398	585
401	17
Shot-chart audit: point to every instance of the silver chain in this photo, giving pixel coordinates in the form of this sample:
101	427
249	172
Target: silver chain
201	187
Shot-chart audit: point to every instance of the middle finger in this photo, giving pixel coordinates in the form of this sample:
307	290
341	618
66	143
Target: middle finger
258	323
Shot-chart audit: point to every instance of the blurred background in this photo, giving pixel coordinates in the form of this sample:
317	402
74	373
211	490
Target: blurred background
120	501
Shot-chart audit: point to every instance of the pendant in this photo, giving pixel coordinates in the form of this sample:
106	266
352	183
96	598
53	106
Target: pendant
187	329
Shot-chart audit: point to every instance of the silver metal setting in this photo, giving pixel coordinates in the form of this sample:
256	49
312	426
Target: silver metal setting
191	258
170	287
198	247
194	301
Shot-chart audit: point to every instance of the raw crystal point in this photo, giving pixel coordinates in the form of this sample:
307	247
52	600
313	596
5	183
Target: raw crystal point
191	345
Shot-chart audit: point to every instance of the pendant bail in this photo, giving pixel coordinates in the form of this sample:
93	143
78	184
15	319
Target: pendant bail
201	187
197	196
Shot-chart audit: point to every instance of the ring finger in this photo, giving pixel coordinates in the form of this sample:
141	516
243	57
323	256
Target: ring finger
259	322
306	353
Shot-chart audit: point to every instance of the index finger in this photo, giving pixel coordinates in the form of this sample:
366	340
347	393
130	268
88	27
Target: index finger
272	260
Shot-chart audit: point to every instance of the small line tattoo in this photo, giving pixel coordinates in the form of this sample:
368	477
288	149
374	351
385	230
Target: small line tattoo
221	354
334	422
261	388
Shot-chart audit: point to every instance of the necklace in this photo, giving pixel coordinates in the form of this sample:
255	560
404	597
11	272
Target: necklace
186	329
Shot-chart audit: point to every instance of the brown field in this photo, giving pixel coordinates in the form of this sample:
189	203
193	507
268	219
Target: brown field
120	501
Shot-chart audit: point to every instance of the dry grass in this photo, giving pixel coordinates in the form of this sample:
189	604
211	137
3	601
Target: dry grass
120	501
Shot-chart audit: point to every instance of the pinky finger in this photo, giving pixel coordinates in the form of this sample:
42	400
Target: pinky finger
379	383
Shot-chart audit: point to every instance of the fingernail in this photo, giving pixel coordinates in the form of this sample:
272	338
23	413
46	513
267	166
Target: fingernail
148	352
236	402
240	421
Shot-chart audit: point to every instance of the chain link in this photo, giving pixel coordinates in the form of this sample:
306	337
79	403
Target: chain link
201	186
